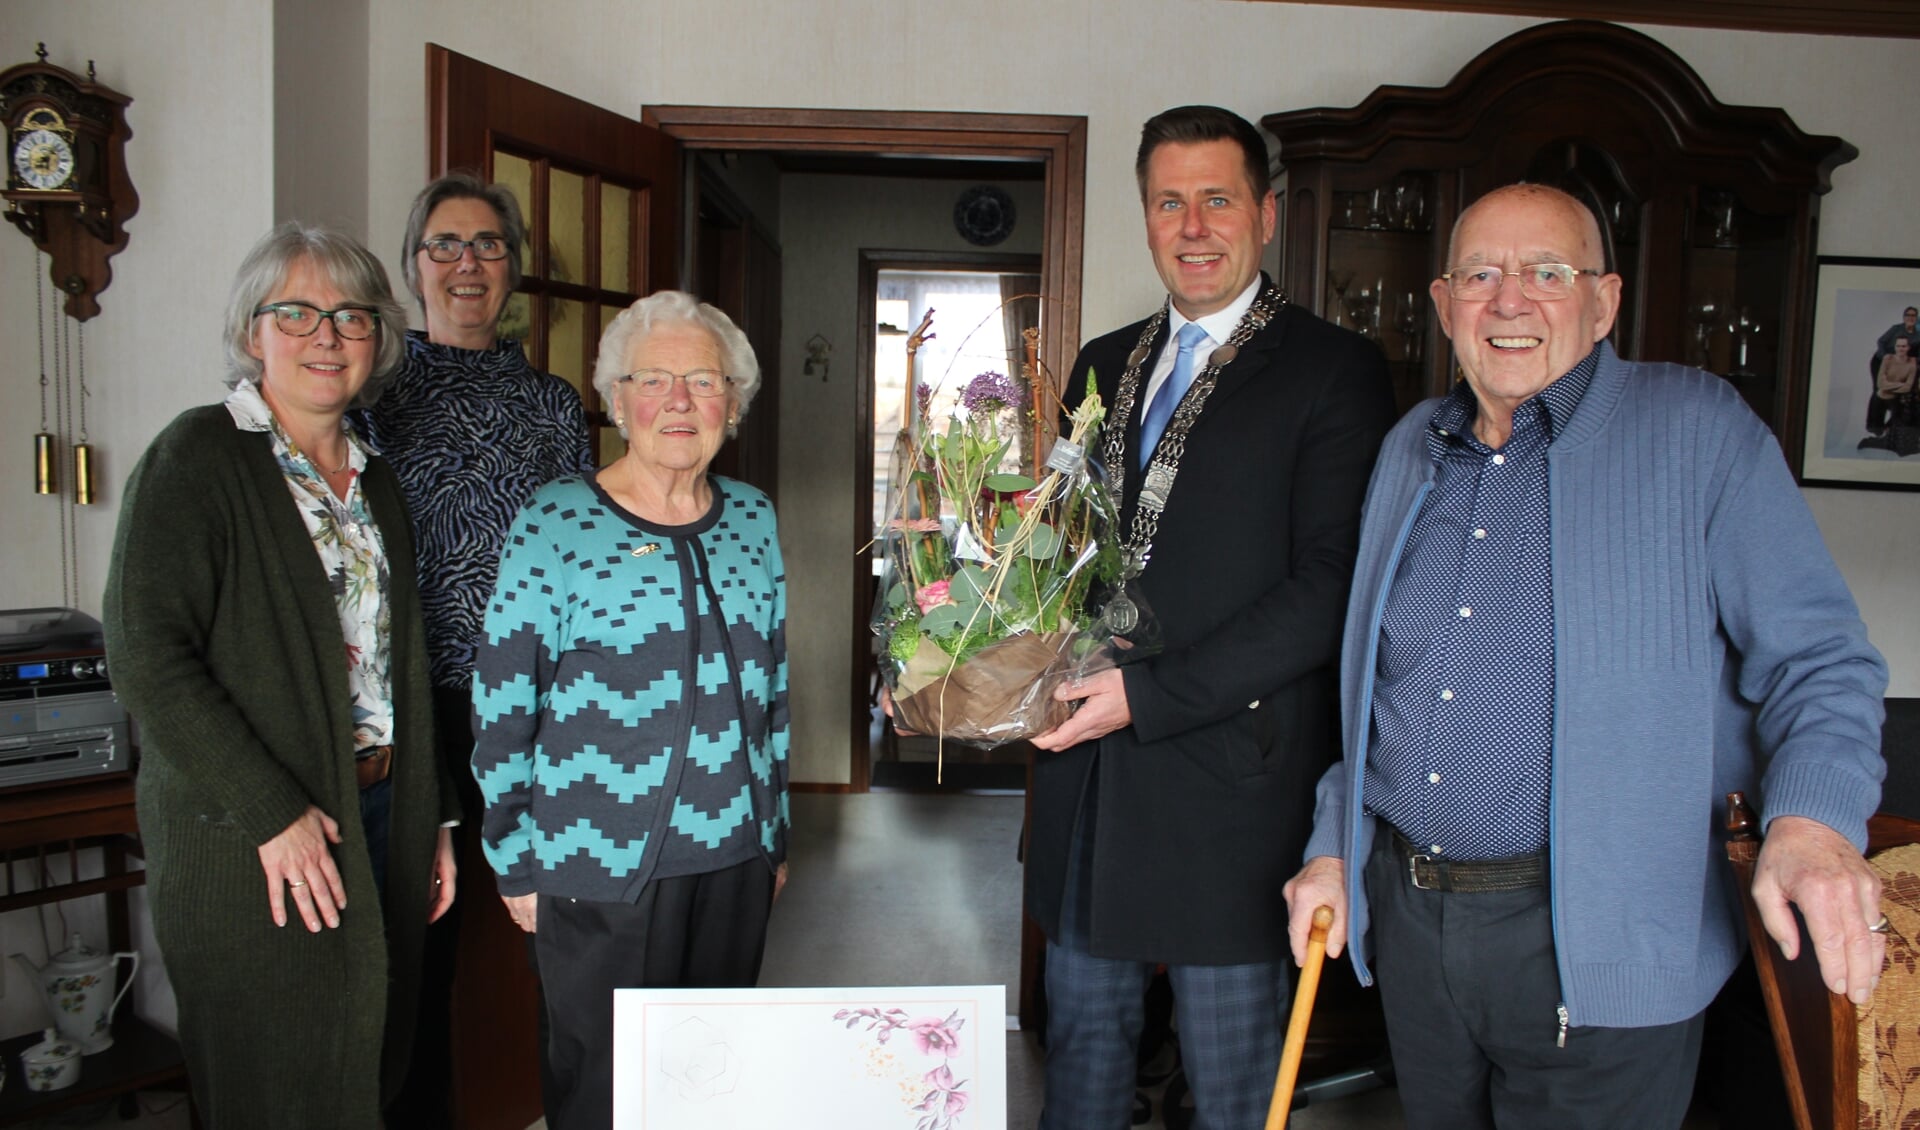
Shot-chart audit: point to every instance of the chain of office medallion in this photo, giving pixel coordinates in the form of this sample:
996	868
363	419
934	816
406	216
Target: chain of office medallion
1157	483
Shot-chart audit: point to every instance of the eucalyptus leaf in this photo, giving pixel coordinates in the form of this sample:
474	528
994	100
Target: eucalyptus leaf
970	584
1009	484
942	619
1045	543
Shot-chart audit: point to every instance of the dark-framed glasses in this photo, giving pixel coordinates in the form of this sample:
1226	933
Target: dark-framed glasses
659	382
1542	282
300	319
486	247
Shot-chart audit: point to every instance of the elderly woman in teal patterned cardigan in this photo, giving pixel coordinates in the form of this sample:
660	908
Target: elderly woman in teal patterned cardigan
630	702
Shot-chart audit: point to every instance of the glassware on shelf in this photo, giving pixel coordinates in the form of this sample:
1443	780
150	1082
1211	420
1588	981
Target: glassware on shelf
1410	323
1409	210
1726	232
1350	216
1703	314
1377	210
1745	329
1363	313
1340	281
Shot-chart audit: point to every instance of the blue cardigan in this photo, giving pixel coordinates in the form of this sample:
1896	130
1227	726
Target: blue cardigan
1704	642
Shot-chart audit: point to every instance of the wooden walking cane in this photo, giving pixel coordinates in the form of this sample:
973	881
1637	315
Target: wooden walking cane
1296	1044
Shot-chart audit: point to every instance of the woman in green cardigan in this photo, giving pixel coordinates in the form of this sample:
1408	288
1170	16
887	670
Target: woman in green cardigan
265	635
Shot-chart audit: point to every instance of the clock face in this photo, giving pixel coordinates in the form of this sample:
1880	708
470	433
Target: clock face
42	159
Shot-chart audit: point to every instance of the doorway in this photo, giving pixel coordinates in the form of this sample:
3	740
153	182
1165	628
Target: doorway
980	302
831	695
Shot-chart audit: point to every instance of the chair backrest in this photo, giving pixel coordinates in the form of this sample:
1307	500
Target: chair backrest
1816	1032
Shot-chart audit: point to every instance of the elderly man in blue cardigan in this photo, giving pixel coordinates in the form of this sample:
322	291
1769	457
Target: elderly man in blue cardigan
1589	601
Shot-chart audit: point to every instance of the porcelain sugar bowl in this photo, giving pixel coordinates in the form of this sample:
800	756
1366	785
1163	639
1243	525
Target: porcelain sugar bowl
53	1064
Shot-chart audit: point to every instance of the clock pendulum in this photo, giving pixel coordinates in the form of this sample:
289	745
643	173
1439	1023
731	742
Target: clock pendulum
46	453
82	451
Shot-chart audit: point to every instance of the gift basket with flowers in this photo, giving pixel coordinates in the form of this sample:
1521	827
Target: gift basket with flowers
1001	581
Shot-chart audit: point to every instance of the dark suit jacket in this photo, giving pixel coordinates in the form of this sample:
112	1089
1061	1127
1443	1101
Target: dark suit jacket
1204	802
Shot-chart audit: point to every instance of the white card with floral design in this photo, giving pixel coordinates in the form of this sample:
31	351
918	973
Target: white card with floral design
926	1058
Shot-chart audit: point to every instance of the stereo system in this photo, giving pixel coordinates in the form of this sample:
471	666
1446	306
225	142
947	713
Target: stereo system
58	715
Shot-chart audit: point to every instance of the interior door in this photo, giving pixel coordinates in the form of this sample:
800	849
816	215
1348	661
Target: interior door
602	197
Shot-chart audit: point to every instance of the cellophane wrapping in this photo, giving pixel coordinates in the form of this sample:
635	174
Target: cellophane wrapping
998	587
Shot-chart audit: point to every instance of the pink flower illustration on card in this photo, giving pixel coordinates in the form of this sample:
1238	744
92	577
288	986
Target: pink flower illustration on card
941	1100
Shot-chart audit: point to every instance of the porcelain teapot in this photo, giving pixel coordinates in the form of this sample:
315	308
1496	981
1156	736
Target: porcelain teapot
78	982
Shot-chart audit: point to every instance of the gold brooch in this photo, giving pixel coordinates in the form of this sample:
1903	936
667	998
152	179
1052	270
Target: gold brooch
650	547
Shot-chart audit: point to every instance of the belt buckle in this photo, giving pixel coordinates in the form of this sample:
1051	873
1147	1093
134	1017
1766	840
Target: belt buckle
1413	871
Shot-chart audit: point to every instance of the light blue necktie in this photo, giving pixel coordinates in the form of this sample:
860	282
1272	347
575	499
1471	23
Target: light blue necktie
1161	410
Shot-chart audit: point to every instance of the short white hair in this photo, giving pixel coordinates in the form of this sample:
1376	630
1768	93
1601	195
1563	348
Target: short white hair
679	308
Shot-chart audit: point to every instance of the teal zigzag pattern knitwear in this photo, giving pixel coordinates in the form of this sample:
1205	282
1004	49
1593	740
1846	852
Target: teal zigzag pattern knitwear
630	695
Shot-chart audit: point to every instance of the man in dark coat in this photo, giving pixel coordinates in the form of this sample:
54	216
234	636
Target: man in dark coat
1169	810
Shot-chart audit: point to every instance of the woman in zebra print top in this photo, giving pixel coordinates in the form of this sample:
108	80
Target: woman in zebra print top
472	430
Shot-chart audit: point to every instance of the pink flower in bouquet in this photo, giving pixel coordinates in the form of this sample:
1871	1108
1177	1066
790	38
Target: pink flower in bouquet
933	596
1026	500
933	1036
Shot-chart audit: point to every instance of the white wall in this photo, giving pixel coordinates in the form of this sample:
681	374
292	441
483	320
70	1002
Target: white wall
825	222
201	160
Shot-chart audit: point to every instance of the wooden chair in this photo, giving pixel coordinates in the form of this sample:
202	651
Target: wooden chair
1816	1032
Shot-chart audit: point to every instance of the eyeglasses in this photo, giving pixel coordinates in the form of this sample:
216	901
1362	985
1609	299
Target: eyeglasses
299	319
659	382
1542	282
486	248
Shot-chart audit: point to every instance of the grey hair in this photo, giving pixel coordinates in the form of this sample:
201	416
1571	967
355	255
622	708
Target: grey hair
349	267
461	185
677	306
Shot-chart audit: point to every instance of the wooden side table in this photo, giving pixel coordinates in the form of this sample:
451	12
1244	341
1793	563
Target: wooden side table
66	817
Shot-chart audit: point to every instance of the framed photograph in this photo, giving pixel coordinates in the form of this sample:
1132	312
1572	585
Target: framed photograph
1863	398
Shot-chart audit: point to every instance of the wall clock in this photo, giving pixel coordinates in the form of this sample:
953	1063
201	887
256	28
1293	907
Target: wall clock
983	215
67	185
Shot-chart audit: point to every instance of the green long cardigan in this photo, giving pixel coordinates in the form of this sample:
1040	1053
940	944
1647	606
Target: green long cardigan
226	648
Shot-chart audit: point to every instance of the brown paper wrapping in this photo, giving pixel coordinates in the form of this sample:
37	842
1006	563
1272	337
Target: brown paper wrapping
1002	694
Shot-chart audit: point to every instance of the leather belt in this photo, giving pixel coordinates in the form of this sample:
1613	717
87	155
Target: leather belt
373	766
1469	876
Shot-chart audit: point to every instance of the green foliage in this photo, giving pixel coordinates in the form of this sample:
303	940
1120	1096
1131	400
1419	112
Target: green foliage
1045	544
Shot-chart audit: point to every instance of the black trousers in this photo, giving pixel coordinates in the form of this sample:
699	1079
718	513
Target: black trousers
425	1098
693	932
1470	989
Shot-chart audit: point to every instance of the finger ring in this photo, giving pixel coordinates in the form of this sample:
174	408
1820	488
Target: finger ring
1881	926
297	883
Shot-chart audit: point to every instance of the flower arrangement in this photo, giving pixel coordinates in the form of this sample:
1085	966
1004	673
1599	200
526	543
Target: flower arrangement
991	570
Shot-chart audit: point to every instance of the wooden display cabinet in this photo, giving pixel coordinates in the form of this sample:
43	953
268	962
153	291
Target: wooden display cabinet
1709	211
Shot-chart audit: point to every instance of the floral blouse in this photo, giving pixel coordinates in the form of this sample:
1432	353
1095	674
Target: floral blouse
353	557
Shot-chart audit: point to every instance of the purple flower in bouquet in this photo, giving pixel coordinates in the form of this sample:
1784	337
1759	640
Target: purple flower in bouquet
991	392
923	398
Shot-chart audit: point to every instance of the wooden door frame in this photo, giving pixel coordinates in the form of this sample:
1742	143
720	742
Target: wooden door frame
1058	141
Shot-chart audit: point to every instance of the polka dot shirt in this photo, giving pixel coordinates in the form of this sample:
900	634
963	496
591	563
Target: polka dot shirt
1461	756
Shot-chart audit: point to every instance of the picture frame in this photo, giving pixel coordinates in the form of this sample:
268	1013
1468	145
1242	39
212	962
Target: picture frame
1859	307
